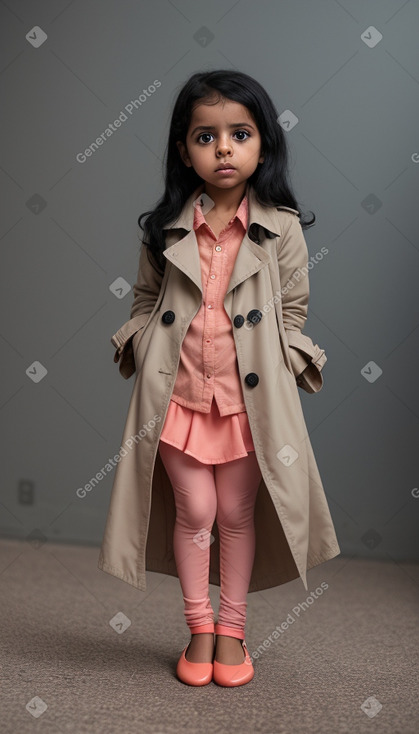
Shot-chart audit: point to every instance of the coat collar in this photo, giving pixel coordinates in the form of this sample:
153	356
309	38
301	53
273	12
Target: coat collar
183	252
267	217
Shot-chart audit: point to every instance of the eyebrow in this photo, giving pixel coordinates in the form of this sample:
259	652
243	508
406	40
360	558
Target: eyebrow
212	127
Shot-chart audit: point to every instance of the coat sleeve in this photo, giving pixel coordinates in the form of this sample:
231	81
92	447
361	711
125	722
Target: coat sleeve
146	291
307	358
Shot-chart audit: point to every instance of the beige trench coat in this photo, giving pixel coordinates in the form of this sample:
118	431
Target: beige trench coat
294	528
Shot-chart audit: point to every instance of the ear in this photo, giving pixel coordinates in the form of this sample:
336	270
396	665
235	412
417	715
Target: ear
183	153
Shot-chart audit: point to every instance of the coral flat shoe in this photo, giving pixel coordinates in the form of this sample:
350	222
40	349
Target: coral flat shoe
234	675
194	674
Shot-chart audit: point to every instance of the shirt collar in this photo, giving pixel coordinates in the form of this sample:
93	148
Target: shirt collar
268	217
241	213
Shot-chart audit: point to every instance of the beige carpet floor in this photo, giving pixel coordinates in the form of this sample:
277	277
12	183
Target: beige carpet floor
82	651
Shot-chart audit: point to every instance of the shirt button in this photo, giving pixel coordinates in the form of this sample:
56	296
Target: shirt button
218	248
210	306
212	276
208	376
208	341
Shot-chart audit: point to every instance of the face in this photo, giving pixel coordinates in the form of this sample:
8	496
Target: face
222	133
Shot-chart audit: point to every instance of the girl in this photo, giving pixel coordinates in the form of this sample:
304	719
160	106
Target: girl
217	346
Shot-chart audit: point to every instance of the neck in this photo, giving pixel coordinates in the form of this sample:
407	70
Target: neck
226	200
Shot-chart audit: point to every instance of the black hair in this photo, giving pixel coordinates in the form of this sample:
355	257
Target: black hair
270	181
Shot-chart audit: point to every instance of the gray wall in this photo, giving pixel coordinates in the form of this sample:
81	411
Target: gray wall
69	230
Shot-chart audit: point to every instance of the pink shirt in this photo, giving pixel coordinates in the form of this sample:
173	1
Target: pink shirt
208	363
207	417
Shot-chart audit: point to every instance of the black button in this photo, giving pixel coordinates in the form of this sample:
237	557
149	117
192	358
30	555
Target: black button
254	315
251	379
168	317
238	320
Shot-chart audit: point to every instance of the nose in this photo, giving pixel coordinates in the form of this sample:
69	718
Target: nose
224	147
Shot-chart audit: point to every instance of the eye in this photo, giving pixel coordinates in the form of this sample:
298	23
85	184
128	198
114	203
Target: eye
238	132
201	136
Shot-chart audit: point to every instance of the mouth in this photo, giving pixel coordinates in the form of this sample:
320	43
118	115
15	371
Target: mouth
225	167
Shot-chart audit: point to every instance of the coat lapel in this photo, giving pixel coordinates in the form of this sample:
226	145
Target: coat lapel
251	258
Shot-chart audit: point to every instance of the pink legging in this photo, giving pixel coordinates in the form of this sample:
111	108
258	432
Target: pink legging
202	493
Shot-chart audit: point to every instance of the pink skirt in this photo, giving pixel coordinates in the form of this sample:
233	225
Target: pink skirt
208	437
